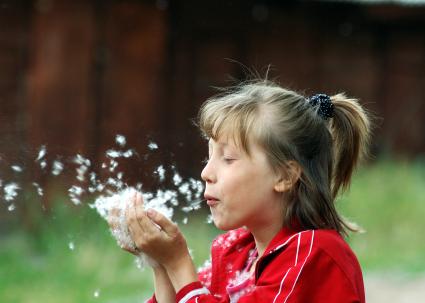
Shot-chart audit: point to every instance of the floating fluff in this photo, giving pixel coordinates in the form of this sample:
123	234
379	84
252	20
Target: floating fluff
109	185
11	191
112	153
41	153
152	146
17	168
160	172
120	140
57	167
39	189
75	193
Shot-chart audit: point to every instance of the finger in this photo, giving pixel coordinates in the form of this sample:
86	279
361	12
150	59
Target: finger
132	251
127	214
137	210
143	220
163	222
131	219
140	199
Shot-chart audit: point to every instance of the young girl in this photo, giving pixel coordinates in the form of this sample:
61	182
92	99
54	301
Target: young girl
277	161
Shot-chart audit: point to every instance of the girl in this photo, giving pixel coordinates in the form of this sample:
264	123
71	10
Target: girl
277	162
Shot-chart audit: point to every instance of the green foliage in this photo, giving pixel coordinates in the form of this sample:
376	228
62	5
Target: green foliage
387	199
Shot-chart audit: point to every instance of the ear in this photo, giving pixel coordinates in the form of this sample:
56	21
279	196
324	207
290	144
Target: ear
289	177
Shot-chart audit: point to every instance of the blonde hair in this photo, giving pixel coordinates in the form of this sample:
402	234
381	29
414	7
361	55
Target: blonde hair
288	128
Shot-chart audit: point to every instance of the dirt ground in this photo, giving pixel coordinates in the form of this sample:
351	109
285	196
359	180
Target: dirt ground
394	288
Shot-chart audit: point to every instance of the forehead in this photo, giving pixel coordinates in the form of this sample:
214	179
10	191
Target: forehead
221	142
234	126
233	142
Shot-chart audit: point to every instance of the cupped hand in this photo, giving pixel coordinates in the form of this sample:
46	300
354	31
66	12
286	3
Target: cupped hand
113	219
155	235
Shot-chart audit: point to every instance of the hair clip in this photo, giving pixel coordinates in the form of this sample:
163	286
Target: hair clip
326	108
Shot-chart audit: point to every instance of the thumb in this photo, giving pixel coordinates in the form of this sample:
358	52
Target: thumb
163	222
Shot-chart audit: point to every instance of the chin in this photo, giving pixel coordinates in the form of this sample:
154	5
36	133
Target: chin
219	225
223	226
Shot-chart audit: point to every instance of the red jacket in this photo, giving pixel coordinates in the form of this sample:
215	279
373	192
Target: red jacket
308	266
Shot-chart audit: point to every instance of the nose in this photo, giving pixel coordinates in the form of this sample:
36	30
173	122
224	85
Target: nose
208	174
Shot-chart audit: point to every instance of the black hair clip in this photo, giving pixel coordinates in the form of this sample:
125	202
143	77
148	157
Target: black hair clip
326	108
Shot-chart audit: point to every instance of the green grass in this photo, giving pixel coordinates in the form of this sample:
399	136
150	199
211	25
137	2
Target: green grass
39	266
49	270
387	199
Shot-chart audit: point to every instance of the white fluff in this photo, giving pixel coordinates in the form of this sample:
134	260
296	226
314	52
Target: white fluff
119	202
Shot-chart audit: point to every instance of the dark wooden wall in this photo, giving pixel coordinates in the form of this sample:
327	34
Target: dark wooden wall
75	73
376	53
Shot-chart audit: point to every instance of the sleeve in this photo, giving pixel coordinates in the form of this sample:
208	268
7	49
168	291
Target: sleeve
198	291
204	276
194	293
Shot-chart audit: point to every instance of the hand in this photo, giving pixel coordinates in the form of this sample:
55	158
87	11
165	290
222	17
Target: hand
155	235
162	241
120	232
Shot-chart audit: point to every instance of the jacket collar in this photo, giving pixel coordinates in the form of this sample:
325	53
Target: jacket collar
280	240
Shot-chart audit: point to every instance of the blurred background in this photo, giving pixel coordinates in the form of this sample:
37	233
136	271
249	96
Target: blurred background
73	74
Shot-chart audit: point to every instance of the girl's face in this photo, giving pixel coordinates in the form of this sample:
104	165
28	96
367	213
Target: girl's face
240	188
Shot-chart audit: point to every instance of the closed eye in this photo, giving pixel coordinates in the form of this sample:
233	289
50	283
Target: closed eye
228	160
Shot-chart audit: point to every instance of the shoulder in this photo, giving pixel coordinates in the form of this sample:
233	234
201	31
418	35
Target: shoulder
332	244
322	244
320	240
329	239
326	253
316	261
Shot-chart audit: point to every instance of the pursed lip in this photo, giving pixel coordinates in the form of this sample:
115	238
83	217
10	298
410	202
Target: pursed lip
211	200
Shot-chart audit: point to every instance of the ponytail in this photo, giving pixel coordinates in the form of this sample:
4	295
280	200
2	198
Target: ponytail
350	130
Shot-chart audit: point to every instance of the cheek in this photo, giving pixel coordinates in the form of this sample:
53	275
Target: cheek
251	194
241	186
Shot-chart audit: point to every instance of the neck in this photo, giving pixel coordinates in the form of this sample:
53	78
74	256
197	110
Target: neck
264	235
267	225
